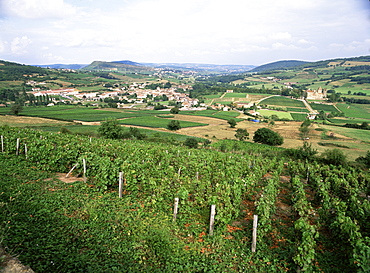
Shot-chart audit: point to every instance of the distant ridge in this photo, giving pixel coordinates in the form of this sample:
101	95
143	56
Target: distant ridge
63	66
116	66
128	62
279	65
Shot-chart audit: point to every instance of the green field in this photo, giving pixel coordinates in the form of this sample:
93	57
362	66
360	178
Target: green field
226	115
299	116
282	102
210	97
235	95
155	122
323	107
71	113
362	135
361	111
280	114
296	109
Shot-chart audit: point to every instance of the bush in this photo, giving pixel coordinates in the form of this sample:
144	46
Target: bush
110	129
267	136
334	157
175	110
174	125
232	123
364	159
191	142
241	134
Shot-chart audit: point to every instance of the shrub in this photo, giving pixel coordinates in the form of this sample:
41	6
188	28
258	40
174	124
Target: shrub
267	136
110	129
174	125
334	157
191	142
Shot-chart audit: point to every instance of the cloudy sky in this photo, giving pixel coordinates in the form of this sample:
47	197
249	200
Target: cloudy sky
250	32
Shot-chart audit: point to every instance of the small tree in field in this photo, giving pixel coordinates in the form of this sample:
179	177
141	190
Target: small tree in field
16	109
241	134
232	123
174	125
110	129
267	136
334	157
175	110
191	142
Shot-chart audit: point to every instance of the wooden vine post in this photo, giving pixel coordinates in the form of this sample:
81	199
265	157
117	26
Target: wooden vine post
17	151
84	165
212	219
120	183
175	208
25	150
72	170
254	233
2	143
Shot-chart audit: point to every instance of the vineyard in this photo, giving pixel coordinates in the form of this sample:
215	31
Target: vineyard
311	217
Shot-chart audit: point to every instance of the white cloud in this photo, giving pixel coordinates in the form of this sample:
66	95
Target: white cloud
166	30
2	47
19	45
35	9
53	58
281	36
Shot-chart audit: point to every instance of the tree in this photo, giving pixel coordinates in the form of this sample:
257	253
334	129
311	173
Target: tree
364	159
191	142
232	123
110	129
174	125
334	157
16	109
135	132
175	110
304	128
267	136
241	134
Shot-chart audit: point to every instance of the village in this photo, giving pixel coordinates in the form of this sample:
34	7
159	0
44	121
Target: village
125	97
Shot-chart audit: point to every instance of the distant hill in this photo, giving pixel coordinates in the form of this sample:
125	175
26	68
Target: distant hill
13	71
283	65
279	65
63	66
127	62
116	66
202	67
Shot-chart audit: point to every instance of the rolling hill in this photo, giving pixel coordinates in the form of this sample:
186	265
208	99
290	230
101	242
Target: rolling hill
116	66
279	65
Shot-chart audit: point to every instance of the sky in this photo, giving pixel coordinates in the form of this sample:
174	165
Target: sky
240	32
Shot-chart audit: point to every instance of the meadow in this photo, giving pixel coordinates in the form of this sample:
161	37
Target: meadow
282	101
323	107
156	122
361	111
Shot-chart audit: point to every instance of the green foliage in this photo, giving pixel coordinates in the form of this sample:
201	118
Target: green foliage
135	132
232	123
364	159
267	136
174	125
334	156
306	152
85	227
110	129
191	142
242	134
16	109
175	110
